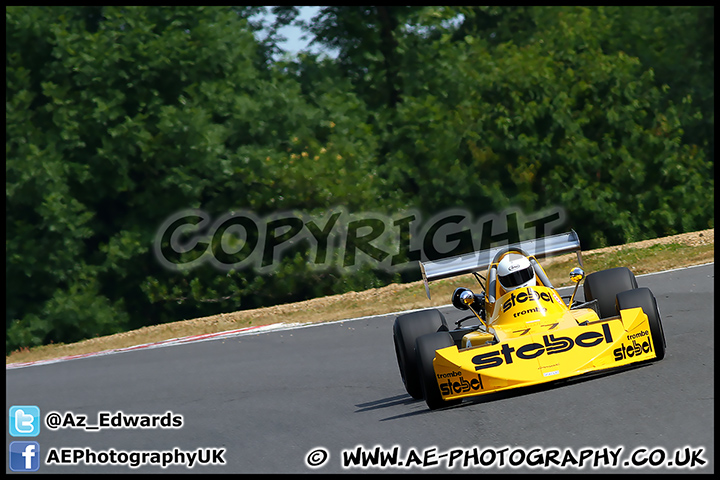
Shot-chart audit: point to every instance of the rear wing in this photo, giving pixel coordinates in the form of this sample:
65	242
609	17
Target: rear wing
476	261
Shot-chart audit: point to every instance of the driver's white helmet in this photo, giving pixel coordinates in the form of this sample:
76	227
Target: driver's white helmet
514	271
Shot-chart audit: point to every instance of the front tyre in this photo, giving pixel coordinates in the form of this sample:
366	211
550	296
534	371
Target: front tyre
426	347
643	298
604	285
406	330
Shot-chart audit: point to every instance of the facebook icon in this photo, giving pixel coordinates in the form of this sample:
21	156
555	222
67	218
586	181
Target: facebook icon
24	456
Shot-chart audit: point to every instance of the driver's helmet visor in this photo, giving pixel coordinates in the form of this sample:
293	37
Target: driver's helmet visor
516	278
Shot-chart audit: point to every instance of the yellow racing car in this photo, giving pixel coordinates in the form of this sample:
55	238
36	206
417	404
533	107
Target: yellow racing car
527	334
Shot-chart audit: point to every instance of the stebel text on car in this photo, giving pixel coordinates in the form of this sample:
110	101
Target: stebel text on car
551	345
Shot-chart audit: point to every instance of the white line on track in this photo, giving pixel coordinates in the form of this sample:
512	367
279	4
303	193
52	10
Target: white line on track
275	327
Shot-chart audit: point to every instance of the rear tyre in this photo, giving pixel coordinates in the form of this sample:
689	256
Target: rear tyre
426	347
604	286
406	330
643	298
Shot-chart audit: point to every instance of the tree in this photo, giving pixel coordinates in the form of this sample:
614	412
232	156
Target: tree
120	116
549	120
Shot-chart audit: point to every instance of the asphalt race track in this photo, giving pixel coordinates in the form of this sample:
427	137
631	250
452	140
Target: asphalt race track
276	402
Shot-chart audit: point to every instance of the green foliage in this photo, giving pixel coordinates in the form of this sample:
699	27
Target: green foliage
118	117
550	120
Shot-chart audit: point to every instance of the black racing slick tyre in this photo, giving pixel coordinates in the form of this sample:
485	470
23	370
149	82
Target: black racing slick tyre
426	347
643	298
406	330
604	285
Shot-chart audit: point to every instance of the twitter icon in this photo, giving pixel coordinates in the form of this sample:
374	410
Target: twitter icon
24	421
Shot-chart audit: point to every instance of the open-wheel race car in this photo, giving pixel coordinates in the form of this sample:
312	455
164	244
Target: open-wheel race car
527	334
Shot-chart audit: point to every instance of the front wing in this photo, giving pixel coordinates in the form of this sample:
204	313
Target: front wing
544	357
